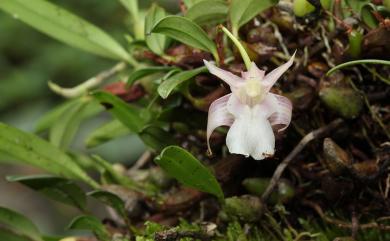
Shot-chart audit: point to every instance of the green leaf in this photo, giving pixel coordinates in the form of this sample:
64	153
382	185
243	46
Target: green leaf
56	188
49	118
188	170
64	26
90	223
368	17
116	176
8	235
187	32
107	132
208	12
241	11
172	82
156	137
156	42
142	72
33	150
125	113
131	6
361	61
65	128
111	200
19	224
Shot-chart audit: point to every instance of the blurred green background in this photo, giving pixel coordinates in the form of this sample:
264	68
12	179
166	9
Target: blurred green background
28	59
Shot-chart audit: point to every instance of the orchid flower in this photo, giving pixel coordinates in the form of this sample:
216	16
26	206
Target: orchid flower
250	110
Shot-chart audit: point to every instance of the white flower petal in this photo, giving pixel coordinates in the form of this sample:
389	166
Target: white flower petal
251	134
279	110
270	79
218	116
253	73
232	80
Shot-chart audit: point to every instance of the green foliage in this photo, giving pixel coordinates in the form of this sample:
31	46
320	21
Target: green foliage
31	149
110	130
208	12
127	114
65	26
111	200
56	188
173	81
241	11
17	227
145	71
188	170
90	223
187	32
156	137
156	42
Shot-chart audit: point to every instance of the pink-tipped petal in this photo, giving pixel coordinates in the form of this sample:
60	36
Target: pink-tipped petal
251	134
281	110
232	80
253	73
271	78
218	116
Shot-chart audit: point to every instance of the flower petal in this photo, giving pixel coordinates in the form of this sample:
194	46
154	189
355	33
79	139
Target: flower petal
253	73
218	116
251	134
232	80
281	110
270	79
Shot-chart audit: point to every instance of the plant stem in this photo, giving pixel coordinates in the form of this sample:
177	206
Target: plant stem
241	48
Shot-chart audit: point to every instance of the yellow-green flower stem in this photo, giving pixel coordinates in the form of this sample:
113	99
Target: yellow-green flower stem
241	48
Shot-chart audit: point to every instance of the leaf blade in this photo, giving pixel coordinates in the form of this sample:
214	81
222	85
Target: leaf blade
19	223
35	151
241	11
65	26
188	170
165	89
185	31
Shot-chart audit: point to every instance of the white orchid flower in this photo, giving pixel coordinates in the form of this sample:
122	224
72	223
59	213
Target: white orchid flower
250	110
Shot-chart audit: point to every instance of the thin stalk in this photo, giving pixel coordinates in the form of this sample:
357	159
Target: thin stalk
241	48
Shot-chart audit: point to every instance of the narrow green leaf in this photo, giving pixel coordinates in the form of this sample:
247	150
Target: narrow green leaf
107	132
188	170
65	128
127	114
368	17
241	11
56	188
190	3
49	118
142	72
33	150
8	235
208	12
111	200
155	41
19	224
172	82
156	137
117	177
90	223
361	61
187	32
131	6
64	26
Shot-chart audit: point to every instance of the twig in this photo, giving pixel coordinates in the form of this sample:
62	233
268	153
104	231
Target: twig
88	84
305	140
